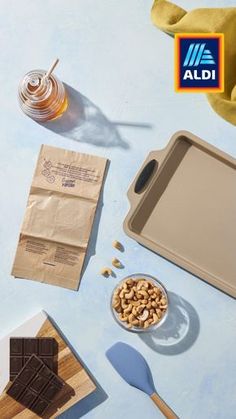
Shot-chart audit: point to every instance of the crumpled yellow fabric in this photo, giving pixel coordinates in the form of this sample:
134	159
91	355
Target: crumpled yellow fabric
173	19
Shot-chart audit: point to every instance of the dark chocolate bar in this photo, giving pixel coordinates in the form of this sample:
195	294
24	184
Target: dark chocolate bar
35	386
21	350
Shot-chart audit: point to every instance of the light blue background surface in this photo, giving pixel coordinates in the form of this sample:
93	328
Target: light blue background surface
123	66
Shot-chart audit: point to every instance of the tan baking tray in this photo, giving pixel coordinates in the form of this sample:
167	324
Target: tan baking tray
183	207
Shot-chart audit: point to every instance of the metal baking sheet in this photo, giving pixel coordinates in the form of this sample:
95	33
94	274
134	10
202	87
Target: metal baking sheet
183	207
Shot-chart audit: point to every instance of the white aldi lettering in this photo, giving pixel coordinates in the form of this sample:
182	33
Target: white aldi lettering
199	75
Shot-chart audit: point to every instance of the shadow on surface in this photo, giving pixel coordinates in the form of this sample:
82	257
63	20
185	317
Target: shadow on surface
180	330
89	402
85	405
83	121
132	124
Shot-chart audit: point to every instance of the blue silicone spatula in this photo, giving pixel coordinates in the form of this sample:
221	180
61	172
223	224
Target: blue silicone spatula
133	368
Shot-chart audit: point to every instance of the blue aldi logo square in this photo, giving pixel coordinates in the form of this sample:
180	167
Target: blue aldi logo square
199	62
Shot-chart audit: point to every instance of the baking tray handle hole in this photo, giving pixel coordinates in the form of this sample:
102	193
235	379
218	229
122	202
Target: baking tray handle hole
145	176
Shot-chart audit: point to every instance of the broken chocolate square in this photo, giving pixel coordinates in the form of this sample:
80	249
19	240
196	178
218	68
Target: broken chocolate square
36	386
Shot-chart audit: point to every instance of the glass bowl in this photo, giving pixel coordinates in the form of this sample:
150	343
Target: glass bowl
156	283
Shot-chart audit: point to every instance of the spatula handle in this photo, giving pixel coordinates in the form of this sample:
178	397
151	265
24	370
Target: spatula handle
166	410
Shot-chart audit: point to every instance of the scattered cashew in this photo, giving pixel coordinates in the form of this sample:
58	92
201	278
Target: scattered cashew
106	272
116	263
117	245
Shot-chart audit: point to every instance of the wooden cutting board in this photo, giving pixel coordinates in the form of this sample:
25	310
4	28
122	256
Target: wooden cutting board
79	384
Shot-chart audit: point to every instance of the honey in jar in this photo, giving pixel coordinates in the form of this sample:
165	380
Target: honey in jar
42	98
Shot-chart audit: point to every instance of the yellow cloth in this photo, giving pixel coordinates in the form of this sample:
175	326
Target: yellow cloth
173	19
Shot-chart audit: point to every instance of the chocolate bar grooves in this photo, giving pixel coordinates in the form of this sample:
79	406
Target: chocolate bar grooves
21	350
36	386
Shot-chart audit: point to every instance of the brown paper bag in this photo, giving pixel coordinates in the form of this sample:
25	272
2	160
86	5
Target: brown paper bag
59	217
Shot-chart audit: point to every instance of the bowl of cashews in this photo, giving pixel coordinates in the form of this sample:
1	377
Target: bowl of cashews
139	303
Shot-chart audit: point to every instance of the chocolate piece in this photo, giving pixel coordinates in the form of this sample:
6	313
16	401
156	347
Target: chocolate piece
21	350
35	386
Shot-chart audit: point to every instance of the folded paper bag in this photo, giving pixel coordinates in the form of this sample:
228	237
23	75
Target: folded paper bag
59	216
173	19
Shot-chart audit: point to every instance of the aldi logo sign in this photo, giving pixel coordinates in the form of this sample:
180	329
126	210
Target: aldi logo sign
199	62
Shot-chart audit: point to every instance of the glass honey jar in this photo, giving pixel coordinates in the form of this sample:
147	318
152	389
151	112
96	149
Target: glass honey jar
41	97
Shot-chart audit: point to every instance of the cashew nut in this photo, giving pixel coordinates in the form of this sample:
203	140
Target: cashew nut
144	316
129	295
135	303
134	311
123	318
155	318
135	322
124	305
117	245
129	281
144	293
115	305
116	263
158	312
106	272
128	309
140	308
131	317
122	293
